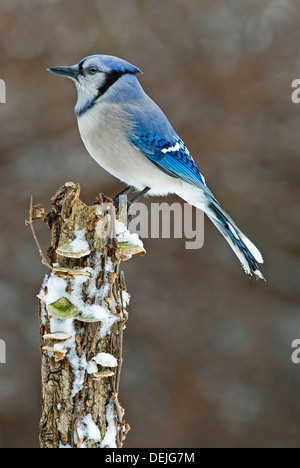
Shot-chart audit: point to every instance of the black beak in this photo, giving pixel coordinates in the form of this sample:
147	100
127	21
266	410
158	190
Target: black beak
70	72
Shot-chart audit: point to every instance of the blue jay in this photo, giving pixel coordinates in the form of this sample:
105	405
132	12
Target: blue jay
130	137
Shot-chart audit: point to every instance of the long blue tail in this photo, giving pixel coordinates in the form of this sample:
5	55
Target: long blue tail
244	249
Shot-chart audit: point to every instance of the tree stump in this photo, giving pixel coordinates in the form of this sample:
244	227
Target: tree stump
82	309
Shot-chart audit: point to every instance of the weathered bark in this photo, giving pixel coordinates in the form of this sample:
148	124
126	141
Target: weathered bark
80	404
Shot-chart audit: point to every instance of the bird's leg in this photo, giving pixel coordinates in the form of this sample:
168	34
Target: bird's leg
134	200
124	192
140	195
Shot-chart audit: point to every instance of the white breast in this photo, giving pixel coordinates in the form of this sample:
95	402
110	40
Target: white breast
104	130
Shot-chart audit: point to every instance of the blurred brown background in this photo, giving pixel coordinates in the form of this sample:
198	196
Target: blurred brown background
207	358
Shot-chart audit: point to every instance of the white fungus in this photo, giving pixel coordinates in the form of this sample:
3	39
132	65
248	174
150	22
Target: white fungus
106	360
77	247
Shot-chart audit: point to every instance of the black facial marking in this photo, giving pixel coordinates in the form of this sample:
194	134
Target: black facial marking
80	66
111	78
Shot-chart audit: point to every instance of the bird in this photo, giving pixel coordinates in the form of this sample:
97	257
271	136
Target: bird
128	134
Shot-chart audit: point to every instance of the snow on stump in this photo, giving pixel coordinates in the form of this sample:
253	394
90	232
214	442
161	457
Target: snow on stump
82	309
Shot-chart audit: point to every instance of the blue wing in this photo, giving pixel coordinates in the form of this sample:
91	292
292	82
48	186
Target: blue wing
153	135
172	157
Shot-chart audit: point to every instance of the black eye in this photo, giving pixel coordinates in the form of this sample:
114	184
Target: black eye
92	70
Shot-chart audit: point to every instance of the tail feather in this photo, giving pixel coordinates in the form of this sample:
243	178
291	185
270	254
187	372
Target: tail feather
244	249
249	256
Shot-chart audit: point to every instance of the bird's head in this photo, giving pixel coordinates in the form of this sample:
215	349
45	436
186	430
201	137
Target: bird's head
93	76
